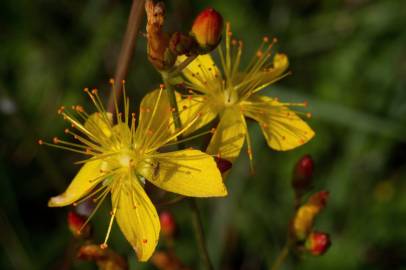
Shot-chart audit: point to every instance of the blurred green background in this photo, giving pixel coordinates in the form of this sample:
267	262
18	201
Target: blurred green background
348	60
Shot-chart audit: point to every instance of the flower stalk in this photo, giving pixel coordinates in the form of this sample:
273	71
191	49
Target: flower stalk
127	49
196	219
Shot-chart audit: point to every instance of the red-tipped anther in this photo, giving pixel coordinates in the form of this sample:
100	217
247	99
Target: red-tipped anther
40	142
55	140
168	225
303	173
223	164
317	243
111	81
207	28
162	86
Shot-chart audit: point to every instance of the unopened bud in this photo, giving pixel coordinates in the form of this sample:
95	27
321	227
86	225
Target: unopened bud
317	243
304	218
223	164
207	29
168	225
319	199
303	174
76	223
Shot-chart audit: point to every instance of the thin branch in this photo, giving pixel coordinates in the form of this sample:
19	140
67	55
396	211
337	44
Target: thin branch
281	257
127	49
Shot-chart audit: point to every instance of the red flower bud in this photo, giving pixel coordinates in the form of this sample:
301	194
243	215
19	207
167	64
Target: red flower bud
319	199
303	174
75	224
317	243
223	164
207	29
168	225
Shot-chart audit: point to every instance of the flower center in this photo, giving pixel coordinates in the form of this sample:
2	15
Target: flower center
230	96
124	160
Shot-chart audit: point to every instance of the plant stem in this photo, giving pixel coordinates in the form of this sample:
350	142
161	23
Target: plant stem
178	69
196	219
199	234
127	50
281	257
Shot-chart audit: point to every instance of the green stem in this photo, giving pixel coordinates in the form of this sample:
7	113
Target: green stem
178	69
199	234
281	257
196	219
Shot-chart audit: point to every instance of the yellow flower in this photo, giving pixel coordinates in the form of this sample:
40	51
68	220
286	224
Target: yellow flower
233	96
122	157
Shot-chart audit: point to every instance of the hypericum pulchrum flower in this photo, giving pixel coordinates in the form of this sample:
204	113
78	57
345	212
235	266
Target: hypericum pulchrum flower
121	156
232	95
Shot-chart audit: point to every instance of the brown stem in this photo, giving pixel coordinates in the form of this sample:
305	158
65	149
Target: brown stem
281	257
127	49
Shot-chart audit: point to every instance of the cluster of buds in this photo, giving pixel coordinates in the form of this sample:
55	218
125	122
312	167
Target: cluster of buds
105	258
163	48
305	238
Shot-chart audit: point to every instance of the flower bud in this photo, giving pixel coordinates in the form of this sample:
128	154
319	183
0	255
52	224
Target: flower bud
303	220
207	29
319	199
168	225
75	224
303	174
317	243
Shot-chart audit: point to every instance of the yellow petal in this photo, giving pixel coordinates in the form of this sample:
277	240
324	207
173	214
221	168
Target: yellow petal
229	136
280	64
203	74
136	216
282	128
266	77
155	121
86	179
190	107
99	123
187	172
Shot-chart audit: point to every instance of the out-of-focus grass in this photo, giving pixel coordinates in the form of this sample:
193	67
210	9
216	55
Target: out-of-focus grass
348	60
